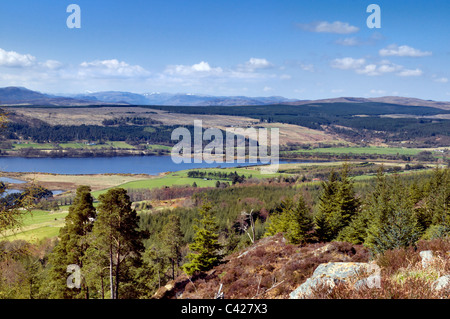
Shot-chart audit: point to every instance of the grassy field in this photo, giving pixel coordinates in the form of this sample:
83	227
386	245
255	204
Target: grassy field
33	145
181	178
117	145
364	150
158	147
71	182
38	225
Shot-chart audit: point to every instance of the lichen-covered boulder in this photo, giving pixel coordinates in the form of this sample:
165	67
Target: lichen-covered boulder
442	282
427	257
329	274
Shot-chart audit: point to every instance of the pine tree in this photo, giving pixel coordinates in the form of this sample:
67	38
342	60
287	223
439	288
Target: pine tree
322	229
291	219
173	240
337	205
438	201
278	221
300	223
73	244
205	246
378	207
356	231
348	203
400	230
393	223
437	204
116	234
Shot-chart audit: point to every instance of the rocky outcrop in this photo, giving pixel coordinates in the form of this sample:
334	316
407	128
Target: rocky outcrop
332	273
427	257
442	282
328	275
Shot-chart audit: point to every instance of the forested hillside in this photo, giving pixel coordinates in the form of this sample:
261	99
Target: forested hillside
148	248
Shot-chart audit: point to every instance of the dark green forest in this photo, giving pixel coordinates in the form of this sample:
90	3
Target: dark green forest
316	115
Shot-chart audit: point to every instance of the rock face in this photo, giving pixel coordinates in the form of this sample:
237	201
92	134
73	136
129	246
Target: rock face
330	274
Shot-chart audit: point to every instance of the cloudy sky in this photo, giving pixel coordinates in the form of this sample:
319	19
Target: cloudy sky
293	48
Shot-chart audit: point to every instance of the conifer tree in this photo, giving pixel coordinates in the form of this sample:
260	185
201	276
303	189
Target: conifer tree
205	246
337	205
73	244
322	229
348	203
116	233
437	204
173	240
439	197
291	219
356	231
278	221
300	223
392	222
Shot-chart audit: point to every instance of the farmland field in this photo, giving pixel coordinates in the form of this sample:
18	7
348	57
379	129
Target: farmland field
364	150
181	178
38	225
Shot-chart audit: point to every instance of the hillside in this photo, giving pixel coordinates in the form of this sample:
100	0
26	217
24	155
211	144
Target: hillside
22	96
272	269
406	101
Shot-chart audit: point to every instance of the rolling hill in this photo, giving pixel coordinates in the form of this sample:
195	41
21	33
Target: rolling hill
11	96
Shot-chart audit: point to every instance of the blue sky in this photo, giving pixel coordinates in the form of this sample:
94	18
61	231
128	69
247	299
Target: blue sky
297	49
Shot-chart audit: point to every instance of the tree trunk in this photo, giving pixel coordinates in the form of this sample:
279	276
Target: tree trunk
103	287
111	281
173	269
117	277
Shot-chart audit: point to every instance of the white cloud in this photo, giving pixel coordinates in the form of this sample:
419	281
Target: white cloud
14	59
202	68
369	69
381	67
357	41
254	64
258	63
51	65
307	67
348	63
327	27
373	69
267	89
348	42
403	51
441	80
111	68
408	72
378	92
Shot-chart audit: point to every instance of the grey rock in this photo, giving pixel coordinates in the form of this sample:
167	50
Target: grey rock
427	257
442	282
329	274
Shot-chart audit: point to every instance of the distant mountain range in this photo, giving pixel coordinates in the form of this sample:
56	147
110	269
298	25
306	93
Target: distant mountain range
179	99
14	96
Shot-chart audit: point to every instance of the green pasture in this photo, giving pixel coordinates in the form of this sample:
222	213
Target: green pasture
181	178
37	225
116	144
363	150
